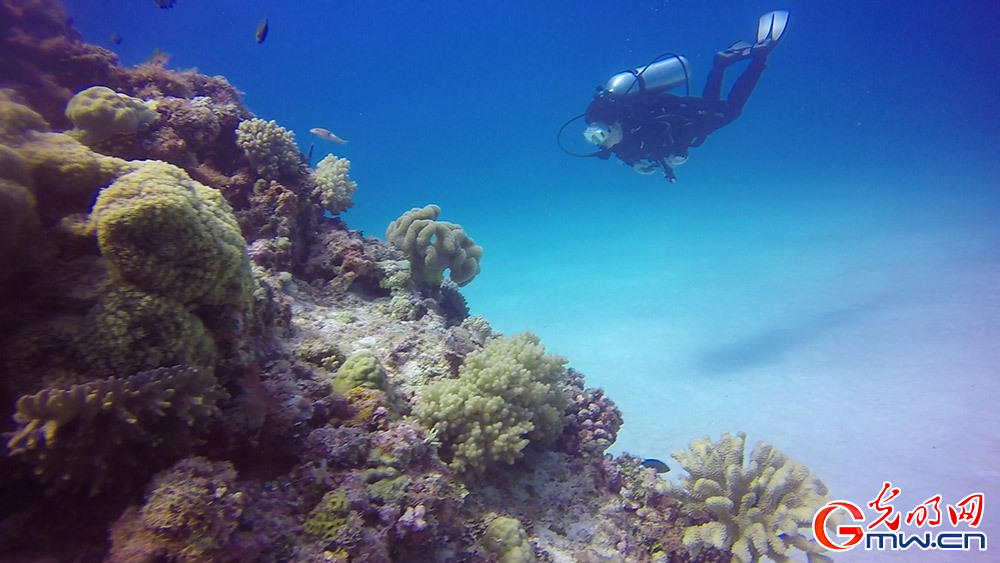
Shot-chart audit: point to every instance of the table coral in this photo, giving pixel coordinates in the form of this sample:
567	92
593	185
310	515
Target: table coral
761	509
170	235
433	246
506	395
99	113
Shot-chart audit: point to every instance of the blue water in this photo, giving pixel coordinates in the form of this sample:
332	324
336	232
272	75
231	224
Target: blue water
824	274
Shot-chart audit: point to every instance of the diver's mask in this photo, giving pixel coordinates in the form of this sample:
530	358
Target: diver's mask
602	135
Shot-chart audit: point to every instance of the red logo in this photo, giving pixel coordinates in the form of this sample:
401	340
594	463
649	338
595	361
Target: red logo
927	513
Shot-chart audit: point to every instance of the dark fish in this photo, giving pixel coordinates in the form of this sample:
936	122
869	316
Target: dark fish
262	31
308	157
165	3
655	465
116	39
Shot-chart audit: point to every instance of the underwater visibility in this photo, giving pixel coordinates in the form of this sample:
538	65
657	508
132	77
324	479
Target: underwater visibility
335	282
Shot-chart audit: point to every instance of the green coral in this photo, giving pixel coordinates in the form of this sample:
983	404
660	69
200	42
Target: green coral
360	370
433	246
333	186
386	484
270	148
88	435
167	234
507	395
329	517
99	113
763	508
506	539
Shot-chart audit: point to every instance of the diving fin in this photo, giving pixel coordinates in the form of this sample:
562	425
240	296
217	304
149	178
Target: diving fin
771	27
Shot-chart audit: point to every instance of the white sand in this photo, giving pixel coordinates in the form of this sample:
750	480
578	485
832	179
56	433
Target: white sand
858	337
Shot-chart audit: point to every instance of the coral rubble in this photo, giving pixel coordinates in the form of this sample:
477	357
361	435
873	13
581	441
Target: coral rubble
200	362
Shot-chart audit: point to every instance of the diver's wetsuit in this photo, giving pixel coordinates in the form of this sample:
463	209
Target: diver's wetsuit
658	125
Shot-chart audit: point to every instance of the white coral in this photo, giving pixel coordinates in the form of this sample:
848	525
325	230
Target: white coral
333	186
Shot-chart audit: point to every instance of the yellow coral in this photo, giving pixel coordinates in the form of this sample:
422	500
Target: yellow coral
433	246
360	370
99	112
270	148
133	330
506	539
17	119
506	395
170	235
758	510
18	224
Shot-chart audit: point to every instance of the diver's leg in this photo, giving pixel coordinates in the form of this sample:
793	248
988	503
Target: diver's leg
723	59
745	84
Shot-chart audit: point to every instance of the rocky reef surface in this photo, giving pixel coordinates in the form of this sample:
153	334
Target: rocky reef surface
199	361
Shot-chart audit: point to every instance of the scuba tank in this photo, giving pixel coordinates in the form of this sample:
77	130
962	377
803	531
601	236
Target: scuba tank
664	73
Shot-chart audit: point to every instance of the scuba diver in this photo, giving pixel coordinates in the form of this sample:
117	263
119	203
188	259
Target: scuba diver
634	117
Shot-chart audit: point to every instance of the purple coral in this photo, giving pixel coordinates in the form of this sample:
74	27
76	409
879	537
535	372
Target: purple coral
592	423
191	510
337	447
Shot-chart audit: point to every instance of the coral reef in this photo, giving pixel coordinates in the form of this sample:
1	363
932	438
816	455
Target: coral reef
434	246
759	506
506	396
201	361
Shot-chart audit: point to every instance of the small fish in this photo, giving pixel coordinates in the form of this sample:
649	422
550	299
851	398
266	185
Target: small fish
165	3
326	134
656	465
116	39
262	31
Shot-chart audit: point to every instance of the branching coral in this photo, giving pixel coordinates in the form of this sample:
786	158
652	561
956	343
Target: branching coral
99	112
758	510
507	395
433	246
167	234
271	148
86	435
333	186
